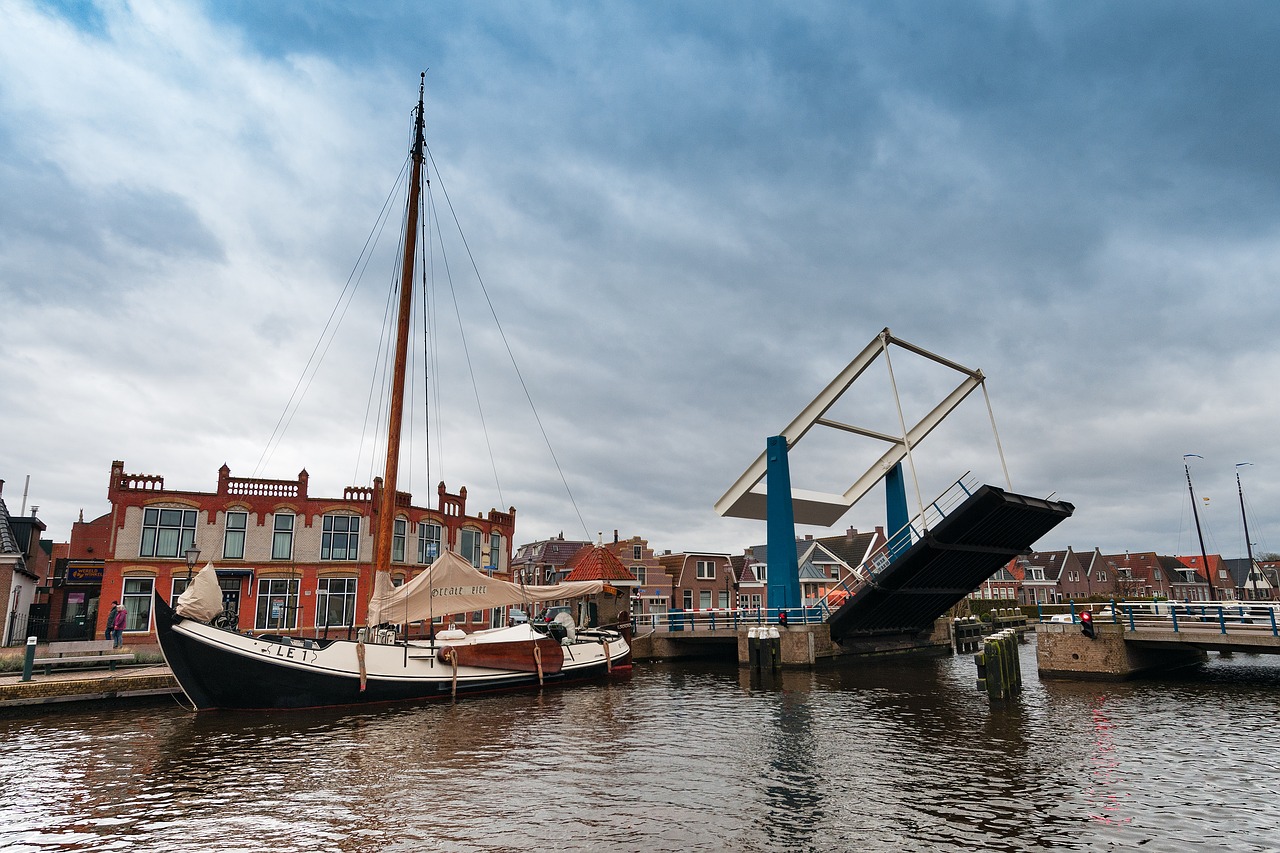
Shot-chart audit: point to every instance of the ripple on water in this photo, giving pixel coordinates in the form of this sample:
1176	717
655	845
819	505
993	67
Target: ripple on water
901	756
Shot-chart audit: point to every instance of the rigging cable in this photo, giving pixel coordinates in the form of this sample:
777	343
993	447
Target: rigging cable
313	363
507	344
466	351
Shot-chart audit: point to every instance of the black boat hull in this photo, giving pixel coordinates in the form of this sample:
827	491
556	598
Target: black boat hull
283	674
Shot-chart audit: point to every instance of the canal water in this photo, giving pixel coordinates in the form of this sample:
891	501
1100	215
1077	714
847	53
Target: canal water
902	755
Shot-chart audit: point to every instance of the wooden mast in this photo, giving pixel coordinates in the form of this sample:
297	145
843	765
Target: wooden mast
387	501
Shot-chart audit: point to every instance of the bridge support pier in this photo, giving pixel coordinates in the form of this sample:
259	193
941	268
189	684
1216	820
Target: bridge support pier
1063	652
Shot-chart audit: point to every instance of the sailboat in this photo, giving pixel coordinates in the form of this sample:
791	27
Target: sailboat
220	668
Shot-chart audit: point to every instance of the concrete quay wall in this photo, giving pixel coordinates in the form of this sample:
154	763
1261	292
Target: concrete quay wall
1062	651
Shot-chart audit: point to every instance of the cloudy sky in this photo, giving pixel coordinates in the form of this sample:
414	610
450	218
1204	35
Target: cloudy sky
688	217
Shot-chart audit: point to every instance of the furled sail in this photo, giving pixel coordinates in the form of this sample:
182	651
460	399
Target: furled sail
452	585
202	599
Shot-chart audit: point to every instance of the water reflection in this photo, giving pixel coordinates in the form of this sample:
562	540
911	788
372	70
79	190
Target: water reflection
900	755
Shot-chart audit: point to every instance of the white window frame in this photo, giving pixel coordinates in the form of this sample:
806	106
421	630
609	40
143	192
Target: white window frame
331	536
135	598
399	538
282	533
495	549
706	570
231	533
273	591
469	540
429	535
340	590
157	521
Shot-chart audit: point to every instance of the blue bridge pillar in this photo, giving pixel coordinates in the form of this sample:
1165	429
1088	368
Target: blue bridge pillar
784	568
896	518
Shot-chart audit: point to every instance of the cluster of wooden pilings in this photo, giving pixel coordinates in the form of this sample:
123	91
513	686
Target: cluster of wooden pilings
1008	617
968	633
999	671
764	649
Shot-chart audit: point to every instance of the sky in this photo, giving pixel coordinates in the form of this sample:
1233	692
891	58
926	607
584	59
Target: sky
686	218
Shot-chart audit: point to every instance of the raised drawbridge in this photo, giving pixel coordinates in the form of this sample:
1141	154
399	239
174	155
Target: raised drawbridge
929	561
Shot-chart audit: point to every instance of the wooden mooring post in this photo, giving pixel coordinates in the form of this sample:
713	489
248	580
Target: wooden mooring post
999	670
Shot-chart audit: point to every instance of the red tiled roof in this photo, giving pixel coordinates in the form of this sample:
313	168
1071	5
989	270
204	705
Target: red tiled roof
597	564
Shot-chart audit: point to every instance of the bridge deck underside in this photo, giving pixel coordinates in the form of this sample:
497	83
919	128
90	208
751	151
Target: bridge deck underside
967	547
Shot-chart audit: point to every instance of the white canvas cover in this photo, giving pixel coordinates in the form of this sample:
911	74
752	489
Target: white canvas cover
202	599
452	585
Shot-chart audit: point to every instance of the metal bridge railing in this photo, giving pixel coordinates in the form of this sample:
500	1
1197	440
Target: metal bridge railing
1180	616
899	542
713	620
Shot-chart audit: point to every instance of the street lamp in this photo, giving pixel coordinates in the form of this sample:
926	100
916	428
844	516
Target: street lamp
193	556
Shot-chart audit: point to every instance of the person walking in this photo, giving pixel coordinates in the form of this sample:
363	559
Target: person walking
110	629
122	616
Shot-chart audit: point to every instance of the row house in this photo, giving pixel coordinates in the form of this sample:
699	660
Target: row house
700	580
652	588
546	561
1255	580
24	563
825	563
286	561
600	563
1043	577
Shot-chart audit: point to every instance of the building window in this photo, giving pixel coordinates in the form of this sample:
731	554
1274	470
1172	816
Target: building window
428	542
277	603
399	535
340	538
137	603
762	572
233	537
637	552
471	546
1102	577
1155	574
495	549
724	599
638	573
167	532
706	570
335	602
688	599
282	536
179	587
704	599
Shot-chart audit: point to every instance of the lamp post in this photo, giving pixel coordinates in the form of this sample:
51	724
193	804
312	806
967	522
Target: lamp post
1208	573
193	556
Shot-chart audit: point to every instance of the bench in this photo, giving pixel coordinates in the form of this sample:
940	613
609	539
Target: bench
88	652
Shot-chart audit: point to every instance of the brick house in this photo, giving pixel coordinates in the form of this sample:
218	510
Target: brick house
545	561
1075	579
286	561
1041	572
1224	587
700	580
652	589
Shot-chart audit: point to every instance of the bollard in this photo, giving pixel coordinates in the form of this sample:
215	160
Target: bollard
999	672
30	660
773	642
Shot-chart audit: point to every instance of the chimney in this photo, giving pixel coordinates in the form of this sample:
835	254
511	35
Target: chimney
615	536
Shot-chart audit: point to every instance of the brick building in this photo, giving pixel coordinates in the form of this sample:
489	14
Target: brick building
286	561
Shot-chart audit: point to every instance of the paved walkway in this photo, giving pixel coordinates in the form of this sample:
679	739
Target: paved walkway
80	685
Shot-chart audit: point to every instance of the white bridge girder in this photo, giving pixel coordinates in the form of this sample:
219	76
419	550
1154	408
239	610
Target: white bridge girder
747	498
